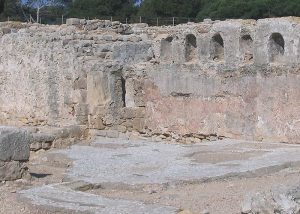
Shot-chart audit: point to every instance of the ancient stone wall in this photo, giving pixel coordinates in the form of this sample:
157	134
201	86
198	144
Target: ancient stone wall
240	79
42	76
235	78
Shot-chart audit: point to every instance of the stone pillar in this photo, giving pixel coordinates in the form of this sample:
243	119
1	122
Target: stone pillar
104	96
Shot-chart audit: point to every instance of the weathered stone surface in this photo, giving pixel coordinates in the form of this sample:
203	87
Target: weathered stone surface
55	196
42	141
280	200
234	78
73	21
46	137
112	133
14	152
14	144
12	170
43	137
140	161
132	52
138	124
96	122
38	145
123	168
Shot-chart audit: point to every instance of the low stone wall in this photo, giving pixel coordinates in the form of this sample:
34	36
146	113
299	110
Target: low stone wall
14	152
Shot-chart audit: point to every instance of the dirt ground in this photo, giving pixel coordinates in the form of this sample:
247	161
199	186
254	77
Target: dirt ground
215	195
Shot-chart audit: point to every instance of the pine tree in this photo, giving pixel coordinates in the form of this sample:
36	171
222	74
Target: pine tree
102	8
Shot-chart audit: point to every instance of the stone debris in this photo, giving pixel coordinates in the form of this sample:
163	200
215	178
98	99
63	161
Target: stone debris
280	200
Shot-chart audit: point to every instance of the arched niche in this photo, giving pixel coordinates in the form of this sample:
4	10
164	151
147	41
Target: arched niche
246	48
217	48
276	47
190	48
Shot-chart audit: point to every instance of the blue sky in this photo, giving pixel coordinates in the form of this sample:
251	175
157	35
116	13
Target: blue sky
138	2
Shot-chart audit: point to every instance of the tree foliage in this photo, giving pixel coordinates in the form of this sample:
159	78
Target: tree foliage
11	9
170	8
121	9
254	9
102	8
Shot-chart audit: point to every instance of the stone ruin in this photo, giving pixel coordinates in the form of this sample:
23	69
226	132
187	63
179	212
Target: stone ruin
189	83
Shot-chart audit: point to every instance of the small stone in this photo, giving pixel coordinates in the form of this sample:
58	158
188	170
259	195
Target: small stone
46	145
35	146
6	30
115	23
152	192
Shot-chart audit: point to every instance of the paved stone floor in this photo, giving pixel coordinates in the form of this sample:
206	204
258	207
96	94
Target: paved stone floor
121	176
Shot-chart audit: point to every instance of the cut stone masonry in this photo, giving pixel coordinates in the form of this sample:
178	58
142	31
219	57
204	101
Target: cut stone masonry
198	81
14	152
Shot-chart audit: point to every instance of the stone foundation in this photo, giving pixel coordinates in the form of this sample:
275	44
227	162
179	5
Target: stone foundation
14	152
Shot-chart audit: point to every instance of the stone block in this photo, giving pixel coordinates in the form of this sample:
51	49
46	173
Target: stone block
46	145
82	21
6	30
140	112
112	133
75	131
42	141
139	101
105	133
128	124
101	133
35	146
130	113
14	152
121	128
96	122
138	124
131	52
14	144
107	23
81	110
91	26
12	170
80	83
43	137
98	110
73	21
